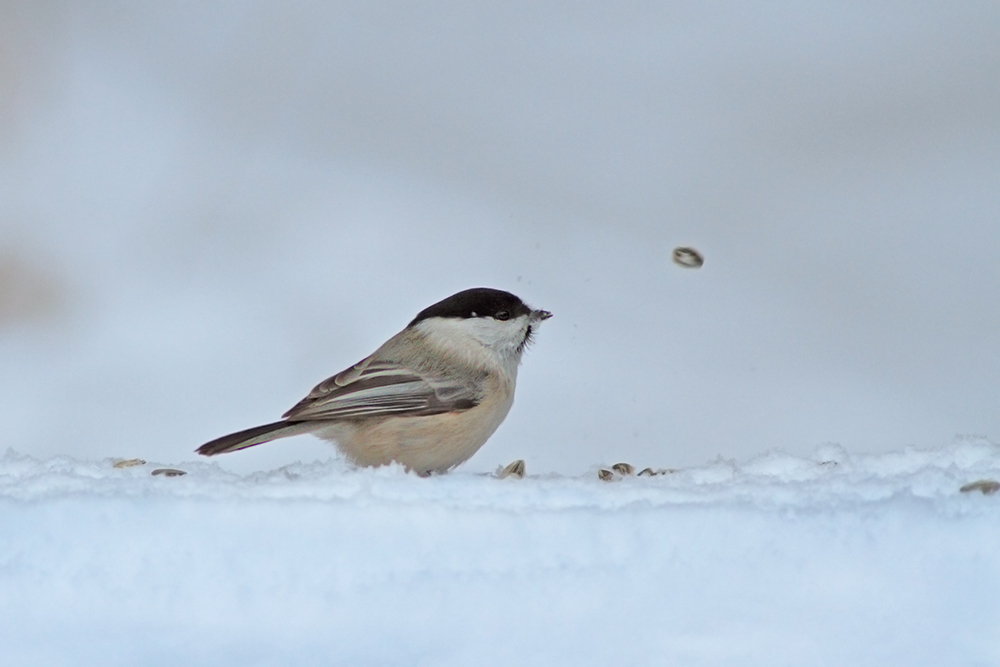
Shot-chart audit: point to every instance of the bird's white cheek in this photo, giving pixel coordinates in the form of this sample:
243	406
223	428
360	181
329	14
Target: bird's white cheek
502	337
478	338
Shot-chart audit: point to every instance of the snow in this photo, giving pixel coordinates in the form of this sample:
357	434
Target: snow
831	559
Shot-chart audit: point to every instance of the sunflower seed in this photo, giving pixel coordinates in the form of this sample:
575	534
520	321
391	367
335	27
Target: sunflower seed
987	486
623	469
649	472
515	469
689	258
168	472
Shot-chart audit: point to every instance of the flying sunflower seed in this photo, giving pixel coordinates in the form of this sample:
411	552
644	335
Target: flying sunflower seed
689	258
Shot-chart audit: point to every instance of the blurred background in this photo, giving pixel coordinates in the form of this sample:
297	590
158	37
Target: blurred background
207	208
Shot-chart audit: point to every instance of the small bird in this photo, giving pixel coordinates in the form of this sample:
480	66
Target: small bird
429	398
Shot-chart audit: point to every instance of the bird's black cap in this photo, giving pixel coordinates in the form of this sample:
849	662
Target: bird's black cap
475	302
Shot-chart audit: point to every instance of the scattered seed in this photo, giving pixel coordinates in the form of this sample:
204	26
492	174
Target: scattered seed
129	463
623	469
605	475
515	470
168	472
987	486
649	472
689	258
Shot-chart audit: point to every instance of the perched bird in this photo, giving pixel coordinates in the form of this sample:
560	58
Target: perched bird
428	398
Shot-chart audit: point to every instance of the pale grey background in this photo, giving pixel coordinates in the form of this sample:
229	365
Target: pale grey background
206	208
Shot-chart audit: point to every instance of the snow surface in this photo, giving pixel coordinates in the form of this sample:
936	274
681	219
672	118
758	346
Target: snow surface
831	559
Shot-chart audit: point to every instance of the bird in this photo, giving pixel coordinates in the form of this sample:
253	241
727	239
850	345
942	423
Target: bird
428	398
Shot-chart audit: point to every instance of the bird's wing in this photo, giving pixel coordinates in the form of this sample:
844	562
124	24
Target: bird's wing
385	388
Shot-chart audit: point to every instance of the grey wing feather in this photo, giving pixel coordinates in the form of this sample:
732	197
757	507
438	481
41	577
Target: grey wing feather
385	388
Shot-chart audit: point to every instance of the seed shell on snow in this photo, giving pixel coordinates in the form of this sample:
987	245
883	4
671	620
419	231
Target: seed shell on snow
624	469
649	472
129	463
515	469
168	472
605	475
987	486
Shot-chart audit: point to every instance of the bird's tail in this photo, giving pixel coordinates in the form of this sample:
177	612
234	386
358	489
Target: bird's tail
254	436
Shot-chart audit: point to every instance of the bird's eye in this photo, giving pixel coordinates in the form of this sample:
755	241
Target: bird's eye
503	315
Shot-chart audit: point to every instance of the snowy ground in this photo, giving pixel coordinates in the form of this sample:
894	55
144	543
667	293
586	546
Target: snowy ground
833	559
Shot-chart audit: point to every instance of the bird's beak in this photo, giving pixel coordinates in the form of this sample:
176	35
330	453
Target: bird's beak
539	315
